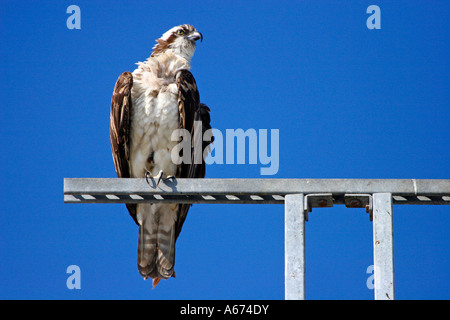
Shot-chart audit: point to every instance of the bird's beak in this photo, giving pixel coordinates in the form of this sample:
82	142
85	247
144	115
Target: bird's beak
196	36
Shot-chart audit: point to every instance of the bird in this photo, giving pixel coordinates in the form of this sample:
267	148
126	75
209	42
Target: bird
147	105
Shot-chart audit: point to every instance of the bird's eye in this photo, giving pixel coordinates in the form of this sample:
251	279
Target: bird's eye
180	32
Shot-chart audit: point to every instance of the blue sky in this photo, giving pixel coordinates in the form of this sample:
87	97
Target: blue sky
349	103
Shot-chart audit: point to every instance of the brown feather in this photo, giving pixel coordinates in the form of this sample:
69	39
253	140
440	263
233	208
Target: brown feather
191	110
119	129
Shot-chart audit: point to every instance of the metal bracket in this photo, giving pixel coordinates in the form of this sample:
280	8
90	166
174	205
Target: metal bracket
325	200
317	200
360	201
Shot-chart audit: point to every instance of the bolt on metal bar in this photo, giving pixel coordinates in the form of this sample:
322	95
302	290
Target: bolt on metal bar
294	247
383	246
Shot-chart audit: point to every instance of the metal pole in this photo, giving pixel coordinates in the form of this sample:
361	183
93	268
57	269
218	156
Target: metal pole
383	246
294	247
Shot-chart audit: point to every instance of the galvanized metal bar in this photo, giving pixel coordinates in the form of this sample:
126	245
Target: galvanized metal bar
114	190
376	195
383	246
294	247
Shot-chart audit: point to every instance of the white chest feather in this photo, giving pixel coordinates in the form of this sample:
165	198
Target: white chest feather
154	115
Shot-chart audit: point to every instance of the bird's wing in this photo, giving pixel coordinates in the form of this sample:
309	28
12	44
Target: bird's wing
119	129
191	110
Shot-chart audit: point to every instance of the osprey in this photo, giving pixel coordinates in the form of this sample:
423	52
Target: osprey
147	105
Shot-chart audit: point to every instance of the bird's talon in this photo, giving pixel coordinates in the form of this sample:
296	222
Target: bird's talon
159	176
148	175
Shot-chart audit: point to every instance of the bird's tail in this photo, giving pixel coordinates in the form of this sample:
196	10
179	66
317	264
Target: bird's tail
156	247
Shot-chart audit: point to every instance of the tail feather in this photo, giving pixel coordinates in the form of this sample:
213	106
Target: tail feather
156	245
147	253
165	260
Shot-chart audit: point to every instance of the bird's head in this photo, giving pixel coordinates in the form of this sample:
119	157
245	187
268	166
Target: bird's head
180	40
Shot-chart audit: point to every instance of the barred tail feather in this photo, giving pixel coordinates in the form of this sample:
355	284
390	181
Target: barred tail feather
165	260
147	253
156	244
148	227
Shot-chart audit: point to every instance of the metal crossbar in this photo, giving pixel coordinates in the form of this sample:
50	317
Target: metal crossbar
299	196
